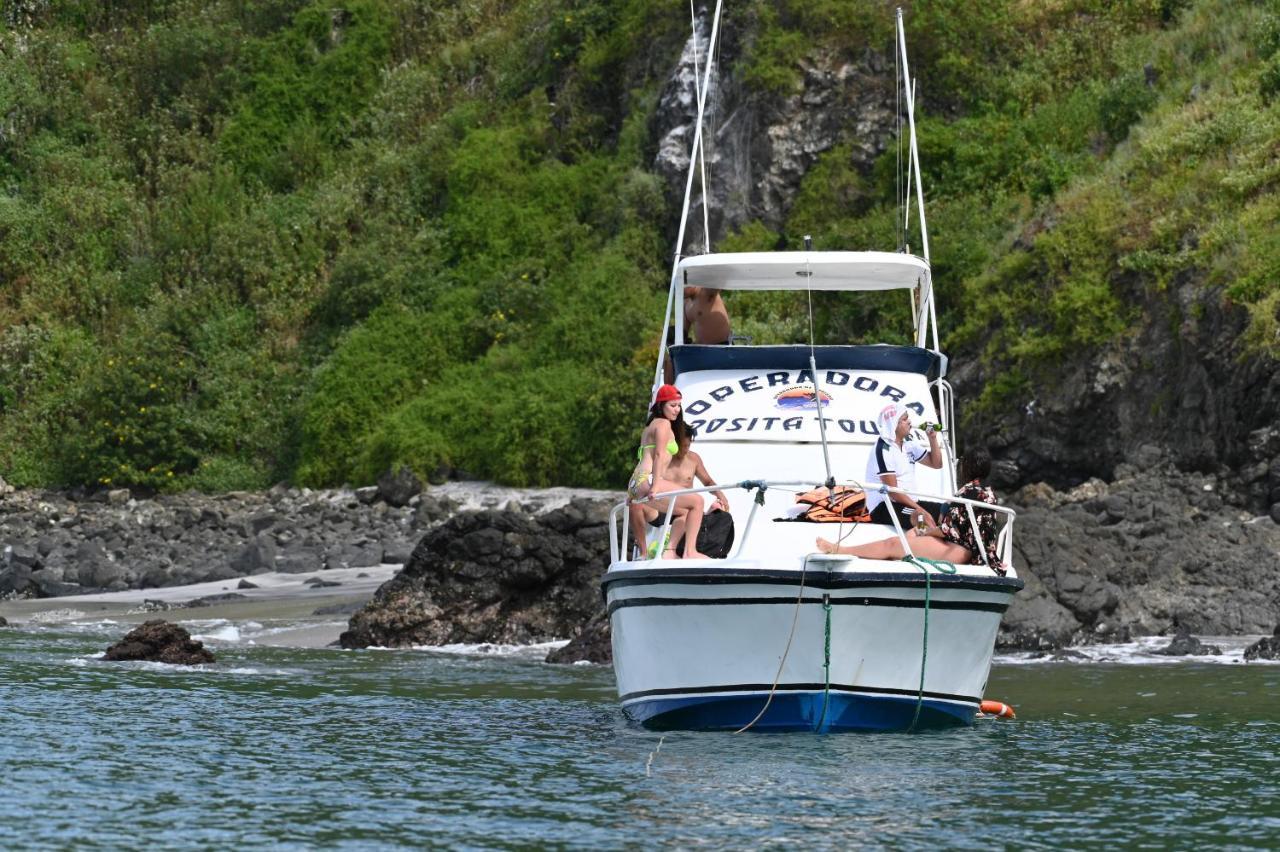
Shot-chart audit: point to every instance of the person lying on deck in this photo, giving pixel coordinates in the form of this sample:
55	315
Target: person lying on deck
954	541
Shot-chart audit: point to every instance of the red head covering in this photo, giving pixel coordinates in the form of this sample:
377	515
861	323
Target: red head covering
666	393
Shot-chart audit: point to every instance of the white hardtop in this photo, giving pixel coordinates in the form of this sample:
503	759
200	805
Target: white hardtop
805	270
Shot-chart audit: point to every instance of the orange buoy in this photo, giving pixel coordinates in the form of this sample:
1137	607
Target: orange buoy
998	709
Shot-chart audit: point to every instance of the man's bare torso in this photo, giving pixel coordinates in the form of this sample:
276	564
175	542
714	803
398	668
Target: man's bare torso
681	470
705	313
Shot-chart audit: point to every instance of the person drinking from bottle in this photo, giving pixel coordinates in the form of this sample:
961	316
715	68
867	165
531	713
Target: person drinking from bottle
893	462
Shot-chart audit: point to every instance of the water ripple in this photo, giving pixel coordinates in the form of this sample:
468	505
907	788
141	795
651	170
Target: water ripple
303	749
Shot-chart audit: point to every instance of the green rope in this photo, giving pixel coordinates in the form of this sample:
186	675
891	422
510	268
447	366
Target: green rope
944	568
826	660
941	565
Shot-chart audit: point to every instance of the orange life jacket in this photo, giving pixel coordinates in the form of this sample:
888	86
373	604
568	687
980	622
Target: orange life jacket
845	505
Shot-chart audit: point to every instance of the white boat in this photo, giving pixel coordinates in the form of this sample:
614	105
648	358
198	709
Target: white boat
778	636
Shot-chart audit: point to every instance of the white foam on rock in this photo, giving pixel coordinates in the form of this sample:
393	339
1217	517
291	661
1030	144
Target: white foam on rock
229	633
1141	651
486	495
535	651
54	616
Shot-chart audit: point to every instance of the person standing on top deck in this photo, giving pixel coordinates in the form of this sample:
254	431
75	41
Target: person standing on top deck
705	315
893	461
706	321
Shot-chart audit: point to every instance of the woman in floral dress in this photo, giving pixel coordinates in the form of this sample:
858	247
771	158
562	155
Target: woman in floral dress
955	526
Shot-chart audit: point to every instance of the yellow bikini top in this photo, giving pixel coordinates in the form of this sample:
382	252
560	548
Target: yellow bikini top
672	448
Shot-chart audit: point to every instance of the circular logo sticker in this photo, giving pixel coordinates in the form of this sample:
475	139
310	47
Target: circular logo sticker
801	397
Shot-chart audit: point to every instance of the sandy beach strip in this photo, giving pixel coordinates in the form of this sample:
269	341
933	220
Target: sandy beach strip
280	599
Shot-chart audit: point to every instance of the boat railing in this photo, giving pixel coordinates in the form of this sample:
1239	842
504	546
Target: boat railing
947	413
618	543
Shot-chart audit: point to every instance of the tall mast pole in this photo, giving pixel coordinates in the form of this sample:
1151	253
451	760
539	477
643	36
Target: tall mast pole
926	297
672	316
702	148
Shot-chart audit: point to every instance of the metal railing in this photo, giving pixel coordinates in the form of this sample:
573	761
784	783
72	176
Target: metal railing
947	413
618	543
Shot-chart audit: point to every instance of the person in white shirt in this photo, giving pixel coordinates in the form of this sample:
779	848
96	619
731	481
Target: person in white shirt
893	461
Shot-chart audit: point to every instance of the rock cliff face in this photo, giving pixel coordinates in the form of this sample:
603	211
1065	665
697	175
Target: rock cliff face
1182	386
501	577
1152	552
758	147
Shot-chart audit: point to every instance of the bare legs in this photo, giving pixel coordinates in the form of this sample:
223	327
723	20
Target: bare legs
639	526
686	520
891	548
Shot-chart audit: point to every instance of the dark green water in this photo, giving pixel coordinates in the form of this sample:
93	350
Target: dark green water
376	749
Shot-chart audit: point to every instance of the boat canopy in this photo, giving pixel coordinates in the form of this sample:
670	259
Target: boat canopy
805	270
691	358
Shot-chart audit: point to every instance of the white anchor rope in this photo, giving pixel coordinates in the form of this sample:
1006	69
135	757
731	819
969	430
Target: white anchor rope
795	617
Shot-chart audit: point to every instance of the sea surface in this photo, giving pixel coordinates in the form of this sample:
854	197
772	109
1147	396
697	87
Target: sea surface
490	748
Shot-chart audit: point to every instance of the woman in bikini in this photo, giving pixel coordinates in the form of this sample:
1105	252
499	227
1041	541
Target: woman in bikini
664	434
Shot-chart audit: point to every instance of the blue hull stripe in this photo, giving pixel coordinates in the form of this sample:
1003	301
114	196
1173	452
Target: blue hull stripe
797	711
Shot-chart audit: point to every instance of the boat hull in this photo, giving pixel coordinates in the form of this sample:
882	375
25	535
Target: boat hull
796	709
716	648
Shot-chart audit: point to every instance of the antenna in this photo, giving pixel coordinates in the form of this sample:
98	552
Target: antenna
672	314
927	313
813	368
702	153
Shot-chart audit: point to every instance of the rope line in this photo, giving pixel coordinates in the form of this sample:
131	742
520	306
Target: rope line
649	763
826	662
795	617
922	563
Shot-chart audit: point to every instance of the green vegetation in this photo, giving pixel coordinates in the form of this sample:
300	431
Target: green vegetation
251	240
1079	158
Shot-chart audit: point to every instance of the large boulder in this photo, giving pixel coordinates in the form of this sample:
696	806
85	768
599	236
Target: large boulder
593	644
493	576
256	557
397	487
158	641
1184	644
1266	648
300	560
16	582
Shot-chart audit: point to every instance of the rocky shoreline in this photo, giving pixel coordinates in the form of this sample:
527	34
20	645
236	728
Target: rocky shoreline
1156	551
54	544
1151	552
